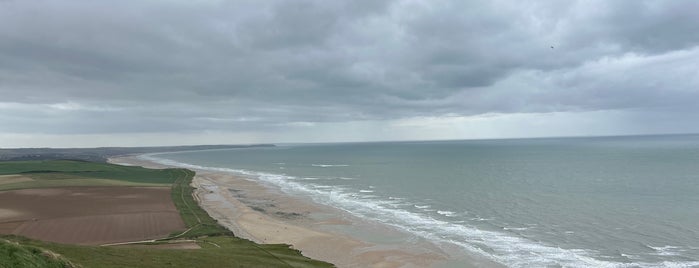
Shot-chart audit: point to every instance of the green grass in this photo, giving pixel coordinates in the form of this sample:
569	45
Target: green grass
232	252
13	254
220	248
57	173
199	222
87	170
71	182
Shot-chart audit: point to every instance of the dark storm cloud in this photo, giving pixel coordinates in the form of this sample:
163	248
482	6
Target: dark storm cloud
145	66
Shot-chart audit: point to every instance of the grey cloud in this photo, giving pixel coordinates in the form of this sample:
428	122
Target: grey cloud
649	26
218	62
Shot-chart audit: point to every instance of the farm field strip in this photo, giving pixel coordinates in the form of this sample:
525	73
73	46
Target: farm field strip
90	215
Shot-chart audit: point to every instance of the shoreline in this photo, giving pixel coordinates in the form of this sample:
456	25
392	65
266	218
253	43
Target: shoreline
266	215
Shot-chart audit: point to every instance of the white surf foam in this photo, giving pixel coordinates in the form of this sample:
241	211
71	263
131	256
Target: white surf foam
445	213
515	228
318	179
510	250
667	250
328	165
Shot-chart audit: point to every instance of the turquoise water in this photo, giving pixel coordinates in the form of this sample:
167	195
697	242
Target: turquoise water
571	202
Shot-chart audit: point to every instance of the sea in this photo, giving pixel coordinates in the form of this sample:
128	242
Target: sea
627	201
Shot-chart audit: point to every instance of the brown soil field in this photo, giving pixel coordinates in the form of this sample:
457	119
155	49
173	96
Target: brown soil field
89	215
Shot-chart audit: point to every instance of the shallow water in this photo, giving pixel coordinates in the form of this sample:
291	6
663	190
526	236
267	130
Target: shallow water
571	202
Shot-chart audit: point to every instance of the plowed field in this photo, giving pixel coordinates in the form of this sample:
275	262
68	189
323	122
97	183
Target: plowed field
89	215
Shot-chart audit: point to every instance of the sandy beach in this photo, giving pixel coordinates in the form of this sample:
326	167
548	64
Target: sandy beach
266	215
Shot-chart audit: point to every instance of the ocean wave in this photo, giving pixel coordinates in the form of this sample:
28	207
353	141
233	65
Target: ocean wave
513	251
515	228
366	191
445	213
328	165
667	250
321	178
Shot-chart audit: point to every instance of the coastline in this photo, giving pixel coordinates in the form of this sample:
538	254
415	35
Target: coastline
266	215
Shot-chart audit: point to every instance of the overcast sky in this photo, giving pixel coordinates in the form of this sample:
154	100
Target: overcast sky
120	73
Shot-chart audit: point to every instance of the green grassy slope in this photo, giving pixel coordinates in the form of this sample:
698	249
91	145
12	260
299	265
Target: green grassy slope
199	222
220	248
228	252
13	254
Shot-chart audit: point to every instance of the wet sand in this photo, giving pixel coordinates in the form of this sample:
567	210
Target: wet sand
266	215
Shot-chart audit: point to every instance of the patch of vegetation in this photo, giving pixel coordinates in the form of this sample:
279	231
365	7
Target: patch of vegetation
13	254
220	251
198	221
56	173
39	183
